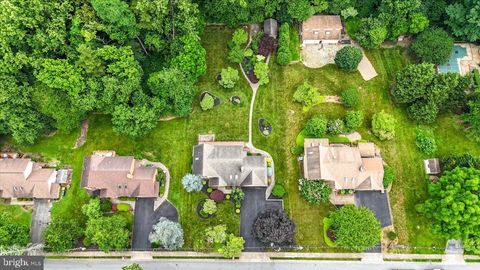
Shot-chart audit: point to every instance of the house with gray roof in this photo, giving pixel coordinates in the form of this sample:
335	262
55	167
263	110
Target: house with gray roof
229	164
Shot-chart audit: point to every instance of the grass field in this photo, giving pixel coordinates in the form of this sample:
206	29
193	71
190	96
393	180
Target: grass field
171	143
275	103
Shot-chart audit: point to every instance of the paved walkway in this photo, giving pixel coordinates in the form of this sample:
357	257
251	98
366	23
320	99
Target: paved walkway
165	170
366	68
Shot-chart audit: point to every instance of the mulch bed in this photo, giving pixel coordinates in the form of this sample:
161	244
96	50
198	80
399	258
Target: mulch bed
331	234
264	126
235	100
216	100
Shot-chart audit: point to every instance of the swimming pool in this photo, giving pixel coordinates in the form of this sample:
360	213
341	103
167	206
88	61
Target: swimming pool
452	65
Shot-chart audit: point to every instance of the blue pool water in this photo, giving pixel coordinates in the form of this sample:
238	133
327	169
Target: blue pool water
452	64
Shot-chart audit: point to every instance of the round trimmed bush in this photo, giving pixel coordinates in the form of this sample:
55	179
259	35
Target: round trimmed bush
278	191
217	195
425	141
350	98
391	235
353	120
316	126
348	58
207	102
229	76
383	125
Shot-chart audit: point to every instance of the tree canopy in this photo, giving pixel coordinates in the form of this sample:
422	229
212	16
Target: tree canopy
433	46
274	226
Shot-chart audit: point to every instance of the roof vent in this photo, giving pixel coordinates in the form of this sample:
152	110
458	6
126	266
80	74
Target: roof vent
197	158
362	168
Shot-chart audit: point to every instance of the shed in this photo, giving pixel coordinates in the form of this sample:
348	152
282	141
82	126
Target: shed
432	166
270	27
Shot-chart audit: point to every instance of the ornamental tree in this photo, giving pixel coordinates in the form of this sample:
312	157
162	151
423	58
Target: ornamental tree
272	226
314	191
425	141
306	94
207	102
316	126
355	228
190	56
348	58
239	37
372	33
167	233
108	233
454	205
192	182
261	72
433	46
229	77
233	246
383	125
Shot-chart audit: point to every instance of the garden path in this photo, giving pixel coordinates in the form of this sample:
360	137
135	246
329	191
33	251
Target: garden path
165	170
83	134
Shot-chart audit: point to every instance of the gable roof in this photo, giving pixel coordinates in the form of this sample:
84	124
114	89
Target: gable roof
228	164
343	165
23	178
119	176
315	27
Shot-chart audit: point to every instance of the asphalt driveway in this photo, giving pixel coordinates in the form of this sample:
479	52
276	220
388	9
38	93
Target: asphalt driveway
145	217
40	220
378	203
252	205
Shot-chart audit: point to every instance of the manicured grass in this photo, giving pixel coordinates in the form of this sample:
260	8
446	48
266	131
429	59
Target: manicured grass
275	103
18	213
170	143
294	43
123	207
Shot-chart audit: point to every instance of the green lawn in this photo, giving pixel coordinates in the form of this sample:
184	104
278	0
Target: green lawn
171	143
18	213
275	103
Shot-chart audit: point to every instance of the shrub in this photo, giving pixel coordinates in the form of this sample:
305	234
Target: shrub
350	98
466	160
216	234
267	45
433	46
306	94
314	191
284	55
105	205
233	246
167	233
209	190
388	176
316	126
391	235
425	141
261	72
235	55
335	126
60	235
192	182
348	58
274	226
349	12
229	76
207	102
239	37
238	195
217	195
424	112
355	228
412	82
209	207
278	191
383	125
353	120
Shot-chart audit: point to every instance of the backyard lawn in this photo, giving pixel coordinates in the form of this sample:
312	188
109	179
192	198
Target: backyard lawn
275	103
17	213
172	141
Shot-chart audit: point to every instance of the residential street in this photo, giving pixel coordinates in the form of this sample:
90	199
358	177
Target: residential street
237	265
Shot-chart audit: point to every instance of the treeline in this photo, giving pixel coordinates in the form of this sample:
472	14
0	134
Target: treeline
61	60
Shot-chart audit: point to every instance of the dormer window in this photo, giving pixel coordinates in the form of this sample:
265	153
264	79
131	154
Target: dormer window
119	186
125	186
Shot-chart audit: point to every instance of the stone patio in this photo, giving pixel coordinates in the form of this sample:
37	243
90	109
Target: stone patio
472	60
